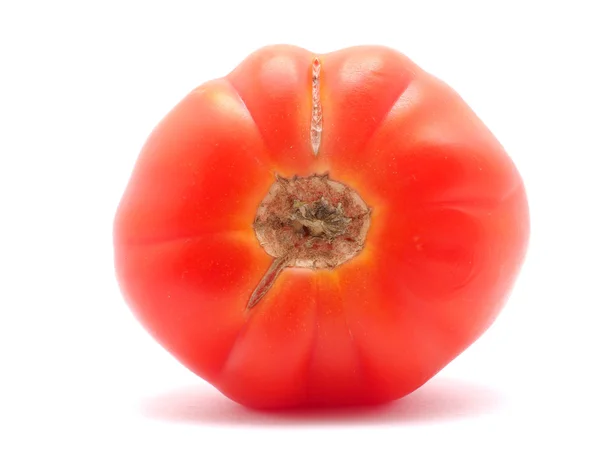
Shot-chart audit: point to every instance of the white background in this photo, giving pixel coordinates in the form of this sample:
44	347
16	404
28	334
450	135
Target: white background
81	86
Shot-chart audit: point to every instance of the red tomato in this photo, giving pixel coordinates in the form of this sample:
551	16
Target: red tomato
355	286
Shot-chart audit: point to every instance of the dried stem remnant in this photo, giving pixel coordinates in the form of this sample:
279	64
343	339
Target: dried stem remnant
311	222
267	280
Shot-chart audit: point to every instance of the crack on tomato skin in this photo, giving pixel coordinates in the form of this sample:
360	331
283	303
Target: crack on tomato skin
316	121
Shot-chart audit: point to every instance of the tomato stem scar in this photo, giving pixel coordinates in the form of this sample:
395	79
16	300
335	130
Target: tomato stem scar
310	222
316	121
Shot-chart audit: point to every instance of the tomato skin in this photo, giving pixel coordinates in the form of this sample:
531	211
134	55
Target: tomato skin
448	235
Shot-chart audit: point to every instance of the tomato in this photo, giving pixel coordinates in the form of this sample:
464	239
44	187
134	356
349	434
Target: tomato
320	229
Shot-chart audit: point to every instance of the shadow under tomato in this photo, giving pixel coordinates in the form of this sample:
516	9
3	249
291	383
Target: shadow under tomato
438	400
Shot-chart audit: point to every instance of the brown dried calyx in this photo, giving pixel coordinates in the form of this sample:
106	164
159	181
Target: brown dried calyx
311	222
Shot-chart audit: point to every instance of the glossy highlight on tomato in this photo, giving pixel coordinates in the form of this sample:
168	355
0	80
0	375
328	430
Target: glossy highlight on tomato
444	212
